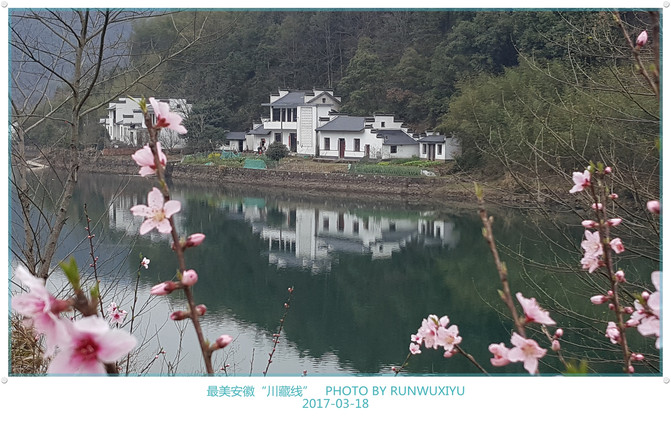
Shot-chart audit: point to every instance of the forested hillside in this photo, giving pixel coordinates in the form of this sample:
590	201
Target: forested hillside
517	87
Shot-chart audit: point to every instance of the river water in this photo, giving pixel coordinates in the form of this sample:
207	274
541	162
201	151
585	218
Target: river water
364	272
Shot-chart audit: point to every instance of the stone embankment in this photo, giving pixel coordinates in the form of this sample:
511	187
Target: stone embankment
305	182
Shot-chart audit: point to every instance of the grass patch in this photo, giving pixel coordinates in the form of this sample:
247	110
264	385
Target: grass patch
386	169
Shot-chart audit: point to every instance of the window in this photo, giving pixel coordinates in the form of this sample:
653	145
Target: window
324	100
276	114
440	149
382	124
278	137
423	148
394	149
355	227
357	144
327	143
326	224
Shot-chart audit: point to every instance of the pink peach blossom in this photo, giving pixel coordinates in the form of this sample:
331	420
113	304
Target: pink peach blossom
642	39
195	240
599	299
117	316
614	221
145	262
163	288
448	337
414	349
429	331
500	352
654	207
165	118
619	276
157	214
41	308
590	263
555	345
527	351
581	180
90	343
646	317
145	159
533	312
613	333
223	341
592	244
189	277
616	245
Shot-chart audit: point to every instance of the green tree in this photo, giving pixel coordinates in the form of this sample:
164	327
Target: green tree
363	86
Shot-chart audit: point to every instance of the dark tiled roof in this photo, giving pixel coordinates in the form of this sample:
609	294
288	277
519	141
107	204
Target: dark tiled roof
291	100
344	124
236	136
433	138
395	137
259	131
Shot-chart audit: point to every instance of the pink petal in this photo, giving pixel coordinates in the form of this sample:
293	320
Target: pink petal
147	226
171	207
142	210
155	199
115	344
163	226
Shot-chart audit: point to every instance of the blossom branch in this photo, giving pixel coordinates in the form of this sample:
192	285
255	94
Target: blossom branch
177	244
488	234
276	337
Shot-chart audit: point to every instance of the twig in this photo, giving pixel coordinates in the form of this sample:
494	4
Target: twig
276	337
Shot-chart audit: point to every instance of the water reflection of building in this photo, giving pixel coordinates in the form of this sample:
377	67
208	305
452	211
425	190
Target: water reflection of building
122	220
310	237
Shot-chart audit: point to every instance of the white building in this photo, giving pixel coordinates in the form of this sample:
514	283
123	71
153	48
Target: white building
308	123
125	122
438	147
293	117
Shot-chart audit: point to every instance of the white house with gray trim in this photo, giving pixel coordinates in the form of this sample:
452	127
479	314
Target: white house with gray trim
308	123
293	117
434	146
377	137
125	122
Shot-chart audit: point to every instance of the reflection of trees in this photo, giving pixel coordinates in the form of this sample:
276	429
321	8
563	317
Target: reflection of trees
363	310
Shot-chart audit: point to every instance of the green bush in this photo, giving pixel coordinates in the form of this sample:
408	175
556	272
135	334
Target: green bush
277	151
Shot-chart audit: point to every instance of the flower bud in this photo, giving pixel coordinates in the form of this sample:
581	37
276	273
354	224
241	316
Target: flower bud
613	196
223	341
614	221
637	357
608	170
597	206
642	39
645	295
290	290
555	345
589	224
619	276
599	299
559	332
163	288
611	306
194	240
631	369
628	310
189	277
654	207
179	315
201	309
